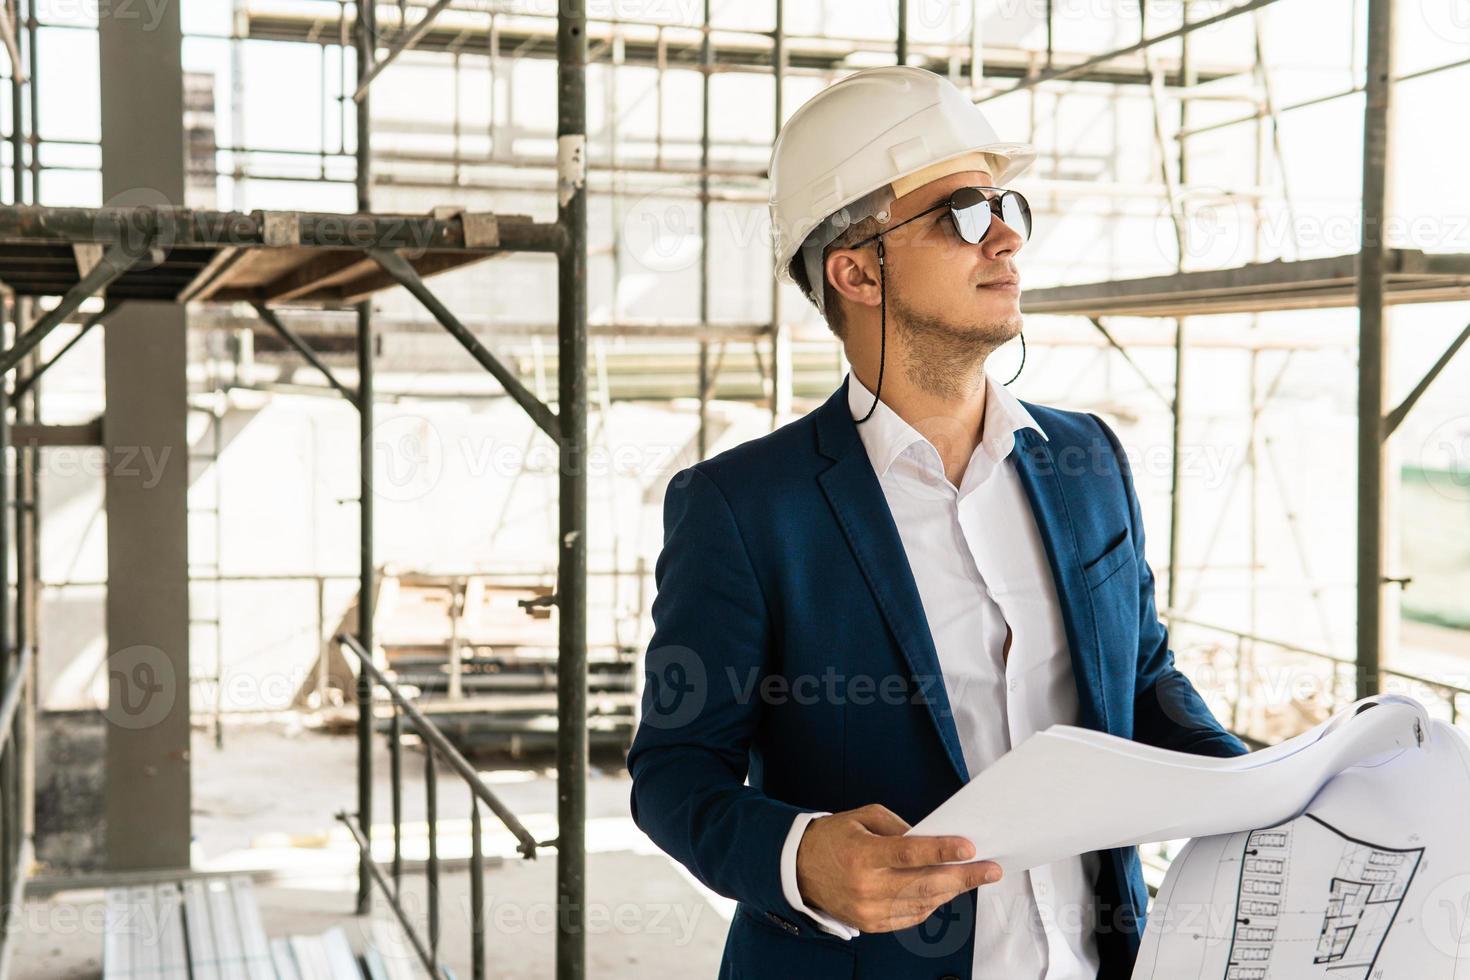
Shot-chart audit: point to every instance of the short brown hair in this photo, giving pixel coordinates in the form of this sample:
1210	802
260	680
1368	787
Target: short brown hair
797	268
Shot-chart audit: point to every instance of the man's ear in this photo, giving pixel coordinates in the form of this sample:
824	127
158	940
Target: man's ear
853	273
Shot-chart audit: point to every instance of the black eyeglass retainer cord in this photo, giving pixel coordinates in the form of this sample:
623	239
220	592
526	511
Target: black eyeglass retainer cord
883	314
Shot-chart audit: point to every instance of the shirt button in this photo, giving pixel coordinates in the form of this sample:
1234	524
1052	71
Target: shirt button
1013	684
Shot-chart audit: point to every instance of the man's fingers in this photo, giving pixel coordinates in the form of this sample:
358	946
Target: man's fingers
940	884
921	852
914	895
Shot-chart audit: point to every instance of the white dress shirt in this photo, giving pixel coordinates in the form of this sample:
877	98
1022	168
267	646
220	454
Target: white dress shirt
981	570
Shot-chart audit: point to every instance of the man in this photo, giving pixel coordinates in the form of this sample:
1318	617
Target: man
862	610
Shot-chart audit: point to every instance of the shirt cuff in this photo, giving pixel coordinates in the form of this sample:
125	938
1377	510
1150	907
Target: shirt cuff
788	878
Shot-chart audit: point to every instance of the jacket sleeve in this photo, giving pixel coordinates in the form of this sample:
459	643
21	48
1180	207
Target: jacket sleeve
1167	710
700	709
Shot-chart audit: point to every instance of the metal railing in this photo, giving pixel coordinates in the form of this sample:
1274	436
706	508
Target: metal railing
436	747
15	795
1342	669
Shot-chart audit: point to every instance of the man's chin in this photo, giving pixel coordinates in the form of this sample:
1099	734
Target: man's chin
1003	326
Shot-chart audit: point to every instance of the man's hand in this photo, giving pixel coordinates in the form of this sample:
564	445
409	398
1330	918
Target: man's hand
858	867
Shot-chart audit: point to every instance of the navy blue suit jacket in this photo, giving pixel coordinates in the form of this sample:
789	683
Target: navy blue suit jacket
791	668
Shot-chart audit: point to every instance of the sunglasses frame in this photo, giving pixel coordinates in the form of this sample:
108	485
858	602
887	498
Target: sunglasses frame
948	202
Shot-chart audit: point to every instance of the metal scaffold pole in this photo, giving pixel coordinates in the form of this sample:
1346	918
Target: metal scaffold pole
571	674
365	31
1372	475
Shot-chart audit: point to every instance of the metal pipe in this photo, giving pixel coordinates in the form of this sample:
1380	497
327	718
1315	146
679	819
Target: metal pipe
401	45
8	21
15	689
571	672
364	850
705	56
477	894
431	734
1372	349
1082	66
7	754
395	774
114	262
35	127
364	28
294	339
17	100
431	820
27	604
139	226
27	729
901	52
397	267
780	336
24	385
1392	420
1176	413
1123	352
1320	99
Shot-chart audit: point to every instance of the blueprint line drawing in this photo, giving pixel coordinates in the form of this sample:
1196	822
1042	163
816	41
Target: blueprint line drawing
1365	888
1369	881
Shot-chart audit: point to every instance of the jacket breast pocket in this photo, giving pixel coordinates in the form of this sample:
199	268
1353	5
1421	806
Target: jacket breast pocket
1113	558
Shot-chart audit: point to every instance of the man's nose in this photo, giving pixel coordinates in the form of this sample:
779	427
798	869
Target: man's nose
1001	239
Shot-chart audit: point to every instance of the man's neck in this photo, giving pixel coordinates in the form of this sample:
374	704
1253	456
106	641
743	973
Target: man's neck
953	423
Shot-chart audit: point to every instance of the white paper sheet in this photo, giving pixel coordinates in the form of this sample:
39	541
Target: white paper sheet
1067	790
1371	882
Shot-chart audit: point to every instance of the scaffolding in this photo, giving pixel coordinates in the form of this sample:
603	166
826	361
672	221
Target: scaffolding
269	259
717	171
183	255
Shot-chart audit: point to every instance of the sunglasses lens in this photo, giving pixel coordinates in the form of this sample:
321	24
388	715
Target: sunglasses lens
1015	212
971	214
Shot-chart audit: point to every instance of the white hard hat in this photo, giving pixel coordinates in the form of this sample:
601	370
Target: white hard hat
854	142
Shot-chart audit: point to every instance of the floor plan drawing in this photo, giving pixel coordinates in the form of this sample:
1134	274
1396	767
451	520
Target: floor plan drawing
1362	898
1370	882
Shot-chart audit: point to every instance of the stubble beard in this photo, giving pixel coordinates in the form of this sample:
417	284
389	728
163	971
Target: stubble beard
945	358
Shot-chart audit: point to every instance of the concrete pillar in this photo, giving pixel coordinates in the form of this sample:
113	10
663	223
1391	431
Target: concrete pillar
146	806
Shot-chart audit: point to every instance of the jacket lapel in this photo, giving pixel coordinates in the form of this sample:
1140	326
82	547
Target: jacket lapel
1037	468
857	499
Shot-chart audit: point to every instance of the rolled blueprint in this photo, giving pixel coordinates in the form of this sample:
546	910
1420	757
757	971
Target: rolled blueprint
1069	790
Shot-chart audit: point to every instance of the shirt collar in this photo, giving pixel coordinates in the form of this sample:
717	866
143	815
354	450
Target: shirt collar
885	435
